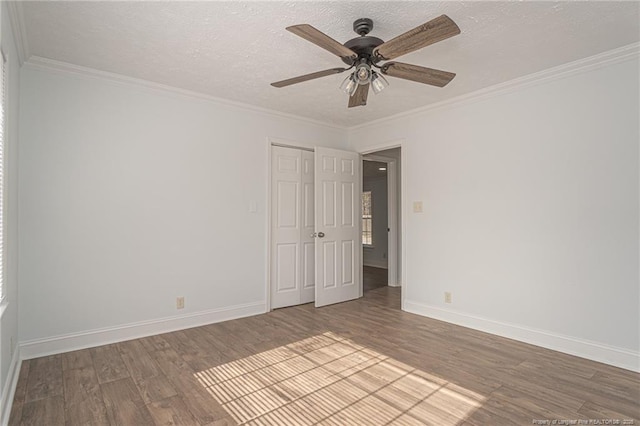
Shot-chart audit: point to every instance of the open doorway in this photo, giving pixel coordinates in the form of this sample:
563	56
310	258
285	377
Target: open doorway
381	220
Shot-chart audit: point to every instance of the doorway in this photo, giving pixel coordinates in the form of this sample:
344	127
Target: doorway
381	220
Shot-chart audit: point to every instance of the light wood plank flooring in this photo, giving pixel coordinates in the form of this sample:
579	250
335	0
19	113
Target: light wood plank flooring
373	278
363	362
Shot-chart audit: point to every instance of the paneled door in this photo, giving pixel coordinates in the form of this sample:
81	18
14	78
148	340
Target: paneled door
292	246
338	244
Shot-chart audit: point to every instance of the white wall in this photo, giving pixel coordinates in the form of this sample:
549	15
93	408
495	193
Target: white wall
531	215
9	318
377	255
131	197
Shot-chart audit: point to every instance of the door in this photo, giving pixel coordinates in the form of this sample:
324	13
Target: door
292	246
338	240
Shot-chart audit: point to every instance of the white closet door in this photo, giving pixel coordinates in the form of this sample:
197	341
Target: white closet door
286	190
337	215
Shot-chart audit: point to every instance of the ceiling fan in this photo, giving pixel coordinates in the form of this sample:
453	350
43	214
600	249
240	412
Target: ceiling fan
364	53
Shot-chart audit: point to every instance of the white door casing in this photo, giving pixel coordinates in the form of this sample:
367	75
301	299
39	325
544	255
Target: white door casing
338	247
292	252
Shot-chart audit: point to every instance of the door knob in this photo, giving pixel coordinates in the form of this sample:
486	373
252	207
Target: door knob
320	234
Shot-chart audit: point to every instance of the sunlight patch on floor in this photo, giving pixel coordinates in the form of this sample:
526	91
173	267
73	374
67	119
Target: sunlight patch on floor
330	380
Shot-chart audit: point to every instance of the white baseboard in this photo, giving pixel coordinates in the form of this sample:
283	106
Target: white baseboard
395	284
618	357
9	389
91	338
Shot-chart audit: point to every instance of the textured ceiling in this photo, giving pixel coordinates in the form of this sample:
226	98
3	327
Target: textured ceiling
233	50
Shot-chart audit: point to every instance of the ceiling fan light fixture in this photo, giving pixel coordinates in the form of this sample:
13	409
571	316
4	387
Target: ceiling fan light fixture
378	82
364	53
363	73
349	85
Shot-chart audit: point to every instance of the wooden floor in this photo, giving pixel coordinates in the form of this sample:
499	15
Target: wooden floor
373	278
357	363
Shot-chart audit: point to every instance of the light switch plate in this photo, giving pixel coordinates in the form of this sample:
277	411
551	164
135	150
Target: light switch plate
417	206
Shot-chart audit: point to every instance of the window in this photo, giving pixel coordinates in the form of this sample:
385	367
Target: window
367	235
3	99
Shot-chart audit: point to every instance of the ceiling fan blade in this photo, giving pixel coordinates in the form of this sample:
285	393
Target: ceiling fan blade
436	30
359	98
416	73
306	77
319	38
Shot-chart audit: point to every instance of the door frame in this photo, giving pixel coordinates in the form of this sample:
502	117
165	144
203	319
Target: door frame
402	216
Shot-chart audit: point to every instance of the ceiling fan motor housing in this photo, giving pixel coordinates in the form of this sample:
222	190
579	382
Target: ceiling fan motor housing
363	47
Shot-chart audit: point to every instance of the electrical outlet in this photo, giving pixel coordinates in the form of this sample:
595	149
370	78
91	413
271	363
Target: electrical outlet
417	206
180	303
447	297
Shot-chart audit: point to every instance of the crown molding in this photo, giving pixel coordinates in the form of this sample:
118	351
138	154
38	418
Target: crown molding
622	54
19	30
45	64
611	57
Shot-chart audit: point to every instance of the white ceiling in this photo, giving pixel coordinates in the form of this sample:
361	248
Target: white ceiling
233	50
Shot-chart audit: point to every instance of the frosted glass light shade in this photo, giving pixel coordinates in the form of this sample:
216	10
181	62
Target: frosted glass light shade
349	85
378	83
